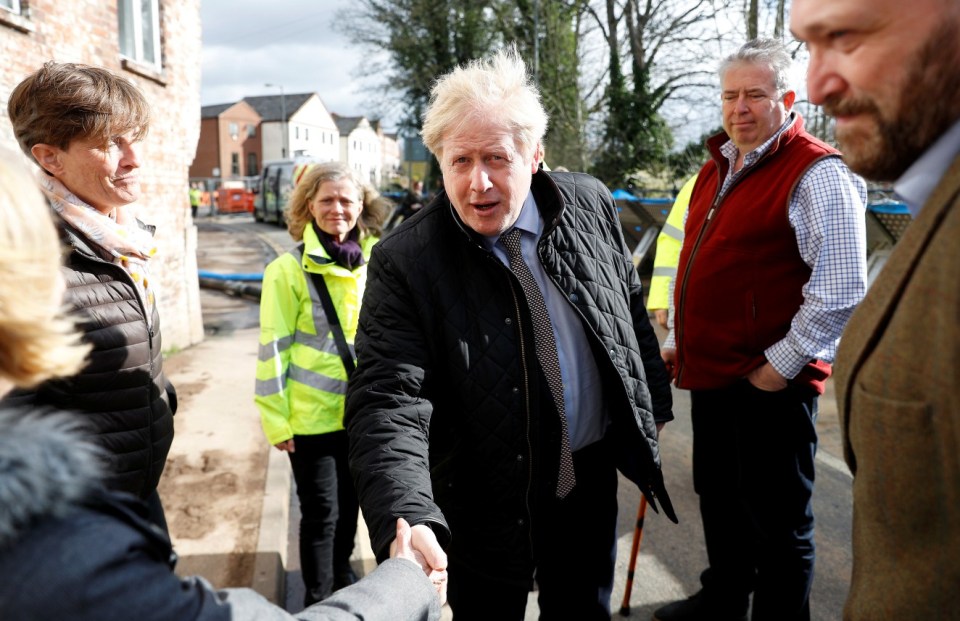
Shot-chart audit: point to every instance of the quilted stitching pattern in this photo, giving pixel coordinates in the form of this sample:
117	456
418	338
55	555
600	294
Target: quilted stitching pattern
434	293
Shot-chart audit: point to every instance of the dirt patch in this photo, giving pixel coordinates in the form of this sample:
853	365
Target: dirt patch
201	493
213	483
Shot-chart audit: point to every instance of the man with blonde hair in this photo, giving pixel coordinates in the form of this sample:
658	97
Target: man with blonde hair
506	365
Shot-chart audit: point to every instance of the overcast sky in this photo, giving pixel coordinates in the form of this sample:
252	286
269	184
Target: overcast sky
249	43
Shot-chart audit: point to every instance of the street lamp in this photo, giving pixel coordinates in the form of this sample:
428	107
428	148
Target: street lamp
283	116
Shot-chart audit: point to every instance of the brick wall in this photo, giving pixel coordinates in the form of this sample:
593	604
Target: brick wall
86	31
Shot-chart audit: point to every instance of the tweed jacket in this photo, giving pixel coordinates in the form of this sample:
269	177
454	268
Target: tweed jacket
898	391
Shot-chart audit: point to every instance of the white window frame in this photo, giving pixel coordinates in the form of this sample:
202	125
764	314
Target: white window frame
13	8
135	9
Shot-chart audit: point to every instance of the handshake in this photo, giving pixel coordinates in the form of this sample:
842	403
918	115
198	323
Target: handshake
419	545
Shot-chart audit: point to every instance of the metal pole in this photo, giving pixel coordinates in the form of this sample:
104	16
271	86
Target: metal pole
283	123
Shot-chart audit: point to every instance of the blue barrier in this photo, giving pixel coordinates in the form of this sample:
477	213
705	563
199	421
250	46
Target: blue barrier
216	276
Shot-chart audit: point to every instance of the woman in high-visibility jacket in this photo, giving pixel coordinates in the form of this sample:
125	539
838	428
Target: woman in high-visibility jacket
668	254
302	364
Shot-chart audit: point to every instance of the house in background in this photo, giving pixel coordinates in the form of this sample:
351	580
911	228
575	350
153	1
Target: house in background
295	125
360	147
229	147
390	156
156	45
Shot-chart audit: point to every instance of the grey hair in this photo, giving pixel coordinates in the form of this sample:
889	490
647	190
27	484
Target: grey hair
496	89
770	52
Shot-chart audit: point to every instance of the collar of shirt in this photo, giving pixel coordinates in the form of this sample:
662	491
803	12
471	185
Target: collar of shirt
916	185
730	151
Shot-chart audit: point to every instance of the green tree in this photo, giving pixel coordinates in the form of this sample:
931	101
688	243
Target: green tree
421	39
664	43
691	158
752	17
547	34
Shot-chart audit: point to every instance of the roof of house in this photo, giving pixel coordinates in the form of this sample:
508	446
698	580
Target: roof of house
271	107
208	112
347	124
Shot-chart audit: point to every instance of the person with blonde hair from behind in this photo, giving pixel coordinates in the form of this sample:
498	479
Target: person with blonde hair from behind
37	341
308	317
69	547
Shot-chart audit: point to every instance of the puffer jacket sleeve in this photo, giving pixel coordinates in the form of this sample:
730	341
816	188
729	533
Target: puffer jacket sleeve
279	306
658	380
387	419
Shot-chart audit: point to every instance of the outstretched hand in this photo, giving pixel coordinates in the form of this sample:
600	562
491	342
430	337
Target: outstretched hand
419	544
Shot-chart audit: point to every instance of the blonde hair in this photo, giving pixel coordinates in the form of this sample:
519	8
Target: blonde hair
37	340
62	102
496	89
375	208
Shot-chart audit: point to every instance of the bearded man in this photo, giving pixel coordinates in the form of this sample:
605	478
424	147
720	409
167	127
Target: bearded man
899	363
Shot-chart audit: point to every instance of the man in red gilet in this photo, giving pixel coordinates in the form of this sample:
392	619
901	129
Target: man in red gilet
772	265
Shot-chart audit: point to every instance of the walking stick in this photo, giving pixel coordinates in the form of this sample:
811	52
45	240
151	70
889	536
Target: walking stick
637	537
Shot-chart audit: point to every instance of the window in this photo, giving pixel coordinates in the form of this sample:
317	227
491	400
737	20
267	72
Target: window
234	130
296	132
306	133
252	168
140	30
11	5
235	164
251	131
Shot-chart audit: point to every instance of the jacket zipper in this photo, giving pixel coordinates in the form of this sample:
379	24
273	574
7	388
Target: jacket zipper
714	207
150	334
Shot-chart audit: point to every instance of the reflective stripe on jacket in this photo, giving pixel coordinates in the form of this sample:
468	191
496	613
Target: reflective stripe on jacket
668	249
301	381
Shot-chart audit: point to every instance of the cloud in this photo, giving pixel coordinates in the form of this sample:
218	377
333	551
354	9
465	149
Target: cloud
247	44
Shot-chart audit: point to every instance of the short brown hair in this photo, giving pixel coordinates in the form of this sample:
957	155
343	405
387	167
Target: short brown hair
375	207
61	102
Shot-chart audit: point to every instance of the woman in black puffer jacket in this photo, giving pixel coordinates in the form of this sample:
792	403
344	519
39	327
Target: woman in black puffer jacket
81	125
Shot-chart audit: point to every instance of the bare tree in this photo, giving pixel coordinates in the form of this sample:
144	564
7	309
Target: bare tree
669	47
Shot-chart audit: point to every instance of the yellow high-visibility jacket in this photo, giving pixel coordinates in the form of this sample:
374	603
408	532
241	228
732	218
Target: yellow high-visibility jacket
301	381
669	242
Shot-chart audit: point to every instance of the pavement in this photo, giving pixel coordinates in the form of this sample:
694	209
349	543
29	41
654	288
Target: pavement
228	494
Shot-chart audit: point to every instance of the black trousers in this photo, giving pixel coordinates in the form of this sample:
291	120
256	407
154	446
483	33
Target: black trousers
753	468
574	549
329	510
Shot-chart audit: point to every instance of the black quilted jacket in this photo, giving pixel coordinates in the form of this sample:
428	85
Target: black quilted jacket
440	427
121	393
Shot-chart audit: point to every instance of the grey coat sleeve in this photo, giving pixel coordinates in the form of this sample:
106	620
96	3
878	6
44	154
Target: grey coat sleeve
397	590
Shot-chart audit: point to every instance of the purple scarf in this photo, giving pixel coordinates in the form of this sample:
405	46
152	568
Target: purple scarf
348	253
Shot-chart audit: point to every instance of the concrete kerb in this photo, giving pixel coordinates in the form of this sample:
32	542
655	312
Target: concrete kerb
269	571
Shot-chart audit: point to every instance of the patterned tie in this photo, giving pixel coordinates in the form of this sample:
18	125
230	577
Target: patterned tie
546	347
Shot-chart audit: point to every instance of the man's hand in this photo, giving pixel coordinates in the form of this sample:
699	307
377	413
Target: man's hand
669	356
767	378
286	445
661	315
419	544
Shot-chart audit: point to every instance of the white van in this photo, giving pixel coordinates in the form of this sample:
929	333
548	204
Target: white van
273	189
